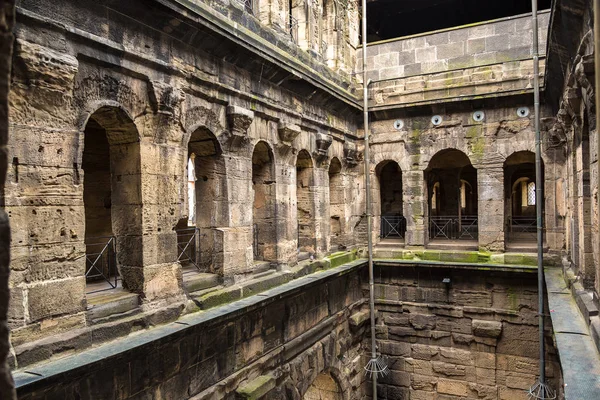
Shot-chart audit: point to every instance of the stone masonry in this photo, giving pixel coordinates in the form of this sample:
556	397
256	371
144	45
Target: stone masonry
185	188
6	40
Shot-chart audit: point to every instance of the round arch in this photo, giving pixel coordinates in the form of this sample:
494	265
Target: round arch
264	203
112	190
337	204
452	205
305	203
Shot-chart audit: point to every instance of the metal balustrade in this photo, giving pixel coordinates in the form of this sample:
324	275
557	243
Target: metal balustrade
247	4
293	29
188	246
453	227
392	226
100	260
523	224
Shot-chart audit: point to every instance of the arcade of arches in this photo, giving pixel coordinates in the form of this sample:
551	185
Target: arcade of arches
199	165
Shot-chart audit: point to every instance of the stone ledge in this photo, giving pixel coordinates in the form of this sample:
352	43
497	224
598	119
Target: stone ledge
456	265
577	349
55	369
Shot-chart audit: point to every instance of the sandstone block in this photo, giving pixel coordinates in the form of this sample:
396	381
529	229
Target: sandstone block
421	321
455	388
423	382
491	329
65	296
449	370
394	348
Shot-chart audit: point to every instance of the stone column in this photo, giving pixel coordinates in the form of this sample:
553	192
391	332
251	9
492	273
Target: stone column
321	208
490	207
44	196
415	208
6	40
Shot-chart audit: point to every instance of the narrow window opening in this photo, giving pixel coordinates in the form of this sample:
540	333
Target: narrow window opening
531	194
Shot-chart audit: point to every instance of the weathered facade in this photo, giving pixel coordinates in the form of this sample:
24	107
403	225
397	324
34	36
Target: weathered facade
7	13
171	162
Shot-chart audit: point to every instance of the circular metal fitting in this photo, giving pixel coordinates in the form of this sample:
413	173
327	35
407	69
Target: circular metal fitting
436	120
398	124
478	116
523	112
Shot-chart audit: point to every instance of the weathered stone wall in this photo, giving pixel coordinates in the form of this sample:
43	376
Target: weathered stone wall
150	103
7	10
475	337
574	144
485	59
265	347
487	144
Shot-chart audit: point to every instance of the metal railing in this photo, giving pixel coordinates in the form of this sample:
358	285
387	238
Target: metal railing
255	241
247	4
188	245
453	227
293	29
392	226
101	260
522	224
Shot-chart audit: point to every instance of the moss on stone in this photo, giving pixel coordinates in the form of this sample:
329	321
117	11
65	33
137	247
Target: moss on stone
256	388
339	258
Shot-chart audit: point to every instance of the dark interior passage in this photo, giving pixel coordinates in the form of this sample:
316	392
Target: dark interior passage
263	215
393	223
452	196
305	202
519	199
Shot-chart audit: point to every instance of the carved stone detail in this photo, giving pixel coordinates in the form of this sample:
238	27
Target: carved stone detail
239	120
288	132
323	142
351	154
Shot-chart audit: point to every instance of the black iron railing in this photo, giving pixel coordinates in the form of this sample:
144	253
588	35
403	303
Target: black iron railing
188	245
293	29
255	241
100	260
392	226
453	227
521	224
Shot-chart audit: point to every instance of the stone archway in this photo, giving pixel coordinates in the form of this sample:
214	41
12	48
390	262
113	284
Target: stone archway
264	203
324	387
305	203
112	195
452	197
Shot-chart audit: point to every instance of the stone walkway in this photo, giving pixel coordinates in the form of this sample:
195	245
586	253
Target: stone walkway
579	357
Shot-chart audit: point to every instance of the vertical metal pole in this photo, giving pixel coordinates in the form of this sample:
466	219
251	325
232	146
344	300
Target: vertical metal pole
597	75
538	192
368	194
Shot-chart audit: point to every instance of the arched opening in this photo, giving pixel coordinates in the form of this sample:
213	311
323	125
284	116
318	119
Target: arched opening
452	197
336	204
392	227
324	387
305	204
207	200
520	201
263	211
111	197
